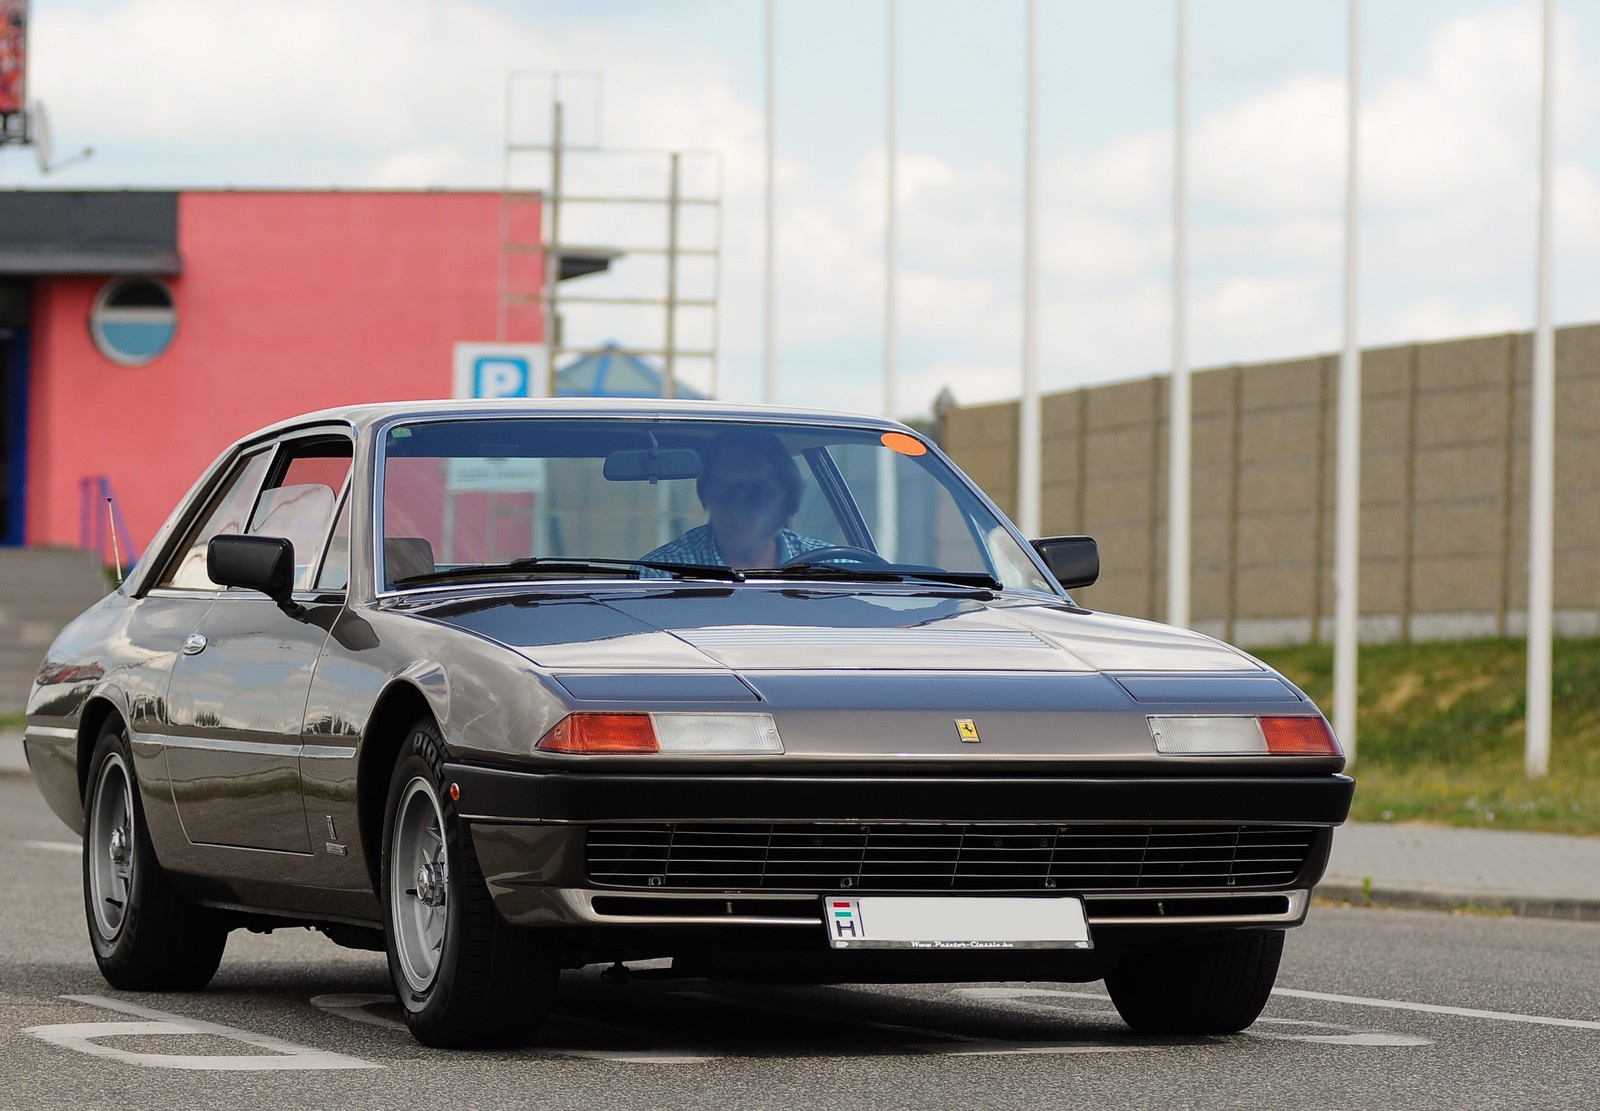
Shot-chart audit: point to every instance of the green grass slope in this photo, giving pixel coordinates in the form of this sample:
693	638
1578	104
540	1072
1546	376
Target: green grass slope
1440	733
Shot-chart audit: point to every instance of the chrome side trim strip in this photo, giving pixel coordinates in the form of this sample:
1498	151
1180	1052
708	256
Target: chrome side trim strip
327	752
235	748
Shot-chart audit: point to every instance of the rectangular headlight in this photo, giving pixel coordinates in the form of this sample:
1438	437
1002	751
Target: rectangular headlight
731	734
1208	736
1306	735
594	733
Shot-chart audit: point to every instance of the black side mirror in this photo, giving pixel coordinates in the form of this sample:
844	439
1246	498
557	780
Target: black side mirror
1073	560
264	563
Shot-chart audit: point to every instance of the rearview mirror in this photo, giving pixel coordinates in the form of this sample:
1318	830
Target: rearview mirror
652	466
1073	560
264	563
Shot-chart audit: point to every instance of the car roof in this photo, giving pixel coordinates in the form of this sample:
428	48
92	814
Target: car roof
376	414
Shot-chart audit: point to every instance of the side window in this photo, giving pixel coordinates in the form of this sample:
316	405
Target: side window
226	515
300	501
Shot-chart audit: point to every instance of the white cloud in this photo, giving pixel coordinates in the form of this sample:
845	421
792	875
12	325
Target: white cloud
1431	318
393	93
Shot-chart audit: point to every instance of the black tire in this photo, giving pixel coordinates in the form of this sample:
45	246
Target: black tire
146	937
1218	986
464	978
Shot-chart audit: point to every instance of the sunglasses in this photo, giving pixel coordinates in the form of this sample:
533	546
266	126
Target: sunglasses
748	491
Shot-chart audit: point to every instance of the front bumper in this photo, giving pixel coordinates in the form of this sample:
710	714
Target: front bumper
532	835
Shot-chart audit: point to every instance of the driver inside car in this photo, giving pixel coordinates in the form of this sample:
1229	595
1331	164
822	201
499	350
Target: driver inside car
750	487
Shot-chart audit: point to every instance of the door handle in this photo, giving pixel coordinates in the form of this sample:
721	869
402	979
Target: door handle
194	644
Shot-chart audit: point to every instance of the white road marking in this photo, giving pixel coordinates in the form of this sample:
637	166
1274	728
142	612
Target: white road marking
943	1042
1436	1009
83	1038
1017	997
56	846
354	1007
981	1048
636	1056
1367	1038
1353	1036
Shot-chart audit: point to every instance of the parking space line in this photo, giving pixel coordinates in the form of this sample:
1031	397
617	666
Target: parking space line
55	846
84	1037
354	1007
941	1042
1029	999
1437	1009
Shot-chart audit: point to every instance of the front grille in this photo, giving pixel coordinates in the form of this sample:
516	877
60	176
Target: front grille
925	856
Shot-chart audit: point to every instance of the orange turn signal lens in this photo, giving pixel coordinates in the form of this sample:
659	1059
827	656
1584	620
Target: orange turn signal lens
601	733
905	445
1299	737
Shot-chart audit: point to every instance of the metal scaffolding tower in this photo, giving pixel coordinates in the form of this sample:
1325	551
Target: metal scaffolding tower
650	220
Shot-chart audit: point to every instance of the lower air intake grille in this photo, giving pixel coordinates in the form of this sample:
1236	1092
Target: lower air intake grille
901	857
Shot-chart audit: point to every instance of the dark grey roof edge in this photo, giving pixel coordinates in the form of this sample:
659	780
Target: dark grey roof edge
44	261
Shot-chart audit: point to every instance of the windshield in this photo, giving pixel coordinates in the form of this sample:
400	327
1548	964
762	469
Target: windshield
613	498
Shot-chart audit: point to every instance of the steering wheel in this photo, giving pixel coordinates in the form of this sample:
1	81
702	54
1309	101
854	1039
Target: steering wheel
837	552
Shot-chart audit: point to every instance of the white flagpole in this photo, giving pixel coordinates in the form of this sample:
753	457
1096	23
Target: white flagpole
888	530
1179	418
1028	425
1347	558
1541	445
769	310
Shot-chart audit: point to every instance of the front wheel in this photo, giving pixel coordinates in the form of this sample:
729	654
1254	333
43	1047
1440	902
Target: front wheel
146	937
1217	986
464	978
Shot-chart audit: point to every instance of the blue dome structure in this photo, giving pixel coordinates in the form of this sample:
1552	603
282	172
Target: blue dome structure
612	372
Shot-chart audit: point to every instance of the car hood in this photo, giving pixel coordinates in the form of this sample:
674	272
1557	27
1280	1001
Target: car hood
757	629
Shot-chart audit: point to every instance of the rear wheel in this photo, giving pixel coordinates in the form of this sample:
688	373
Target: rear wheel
145	936
1217	986
463	976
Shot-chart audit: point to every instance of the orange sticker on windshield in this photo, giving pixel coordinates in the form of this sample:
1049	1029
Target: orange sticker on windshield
905	445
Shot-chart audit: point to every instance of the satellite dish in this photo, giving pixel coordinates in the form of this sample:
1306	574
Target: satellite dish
39	135
44	142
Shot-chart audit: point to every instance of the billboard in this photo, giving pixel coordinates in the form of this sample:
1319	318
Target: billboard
13	57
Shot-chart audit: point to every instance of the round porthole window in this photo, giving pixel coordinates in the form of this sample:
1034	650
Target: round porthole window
133	320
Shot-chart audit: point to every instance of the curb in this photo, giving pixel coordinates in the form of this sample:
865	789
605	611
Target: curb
1459	901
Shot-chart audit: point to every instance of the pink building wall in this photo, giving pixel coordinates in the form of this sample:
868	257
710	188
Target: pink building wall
288	302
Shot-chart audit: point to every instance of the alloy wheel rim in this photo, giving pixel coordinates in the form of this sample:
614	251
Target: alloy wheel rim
419	884
110	847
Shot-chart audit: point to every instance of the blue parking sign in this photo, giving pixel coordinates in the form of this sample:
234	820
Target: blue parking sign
499	370
500	376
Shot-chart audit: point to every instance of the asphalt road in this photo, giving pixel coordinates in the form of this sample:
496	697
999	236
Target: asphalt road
1374	1008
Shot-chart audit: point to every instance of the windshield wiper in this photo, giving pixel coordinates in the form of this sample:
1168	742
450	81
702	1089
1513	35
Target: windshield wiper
545	565
858	572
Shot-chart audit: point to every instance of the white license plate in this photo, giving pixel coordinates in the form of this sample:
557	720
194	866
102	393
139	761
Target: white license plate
951	922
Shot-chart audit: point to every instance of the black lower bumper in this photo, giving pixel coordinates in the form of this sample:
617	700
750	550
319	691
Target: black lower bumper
531	832
495	795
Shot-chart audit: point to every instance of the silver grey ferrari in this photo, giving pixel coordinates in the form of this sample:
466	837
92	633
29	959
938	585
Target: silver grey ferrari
507	688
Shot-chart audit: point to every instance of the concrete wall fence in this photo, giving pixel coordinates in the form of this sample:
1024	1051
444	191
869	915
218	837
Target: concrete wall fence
1444	489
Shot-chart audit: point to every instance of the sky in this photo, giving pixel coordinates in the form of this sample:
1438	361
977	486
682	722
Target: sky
417	93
